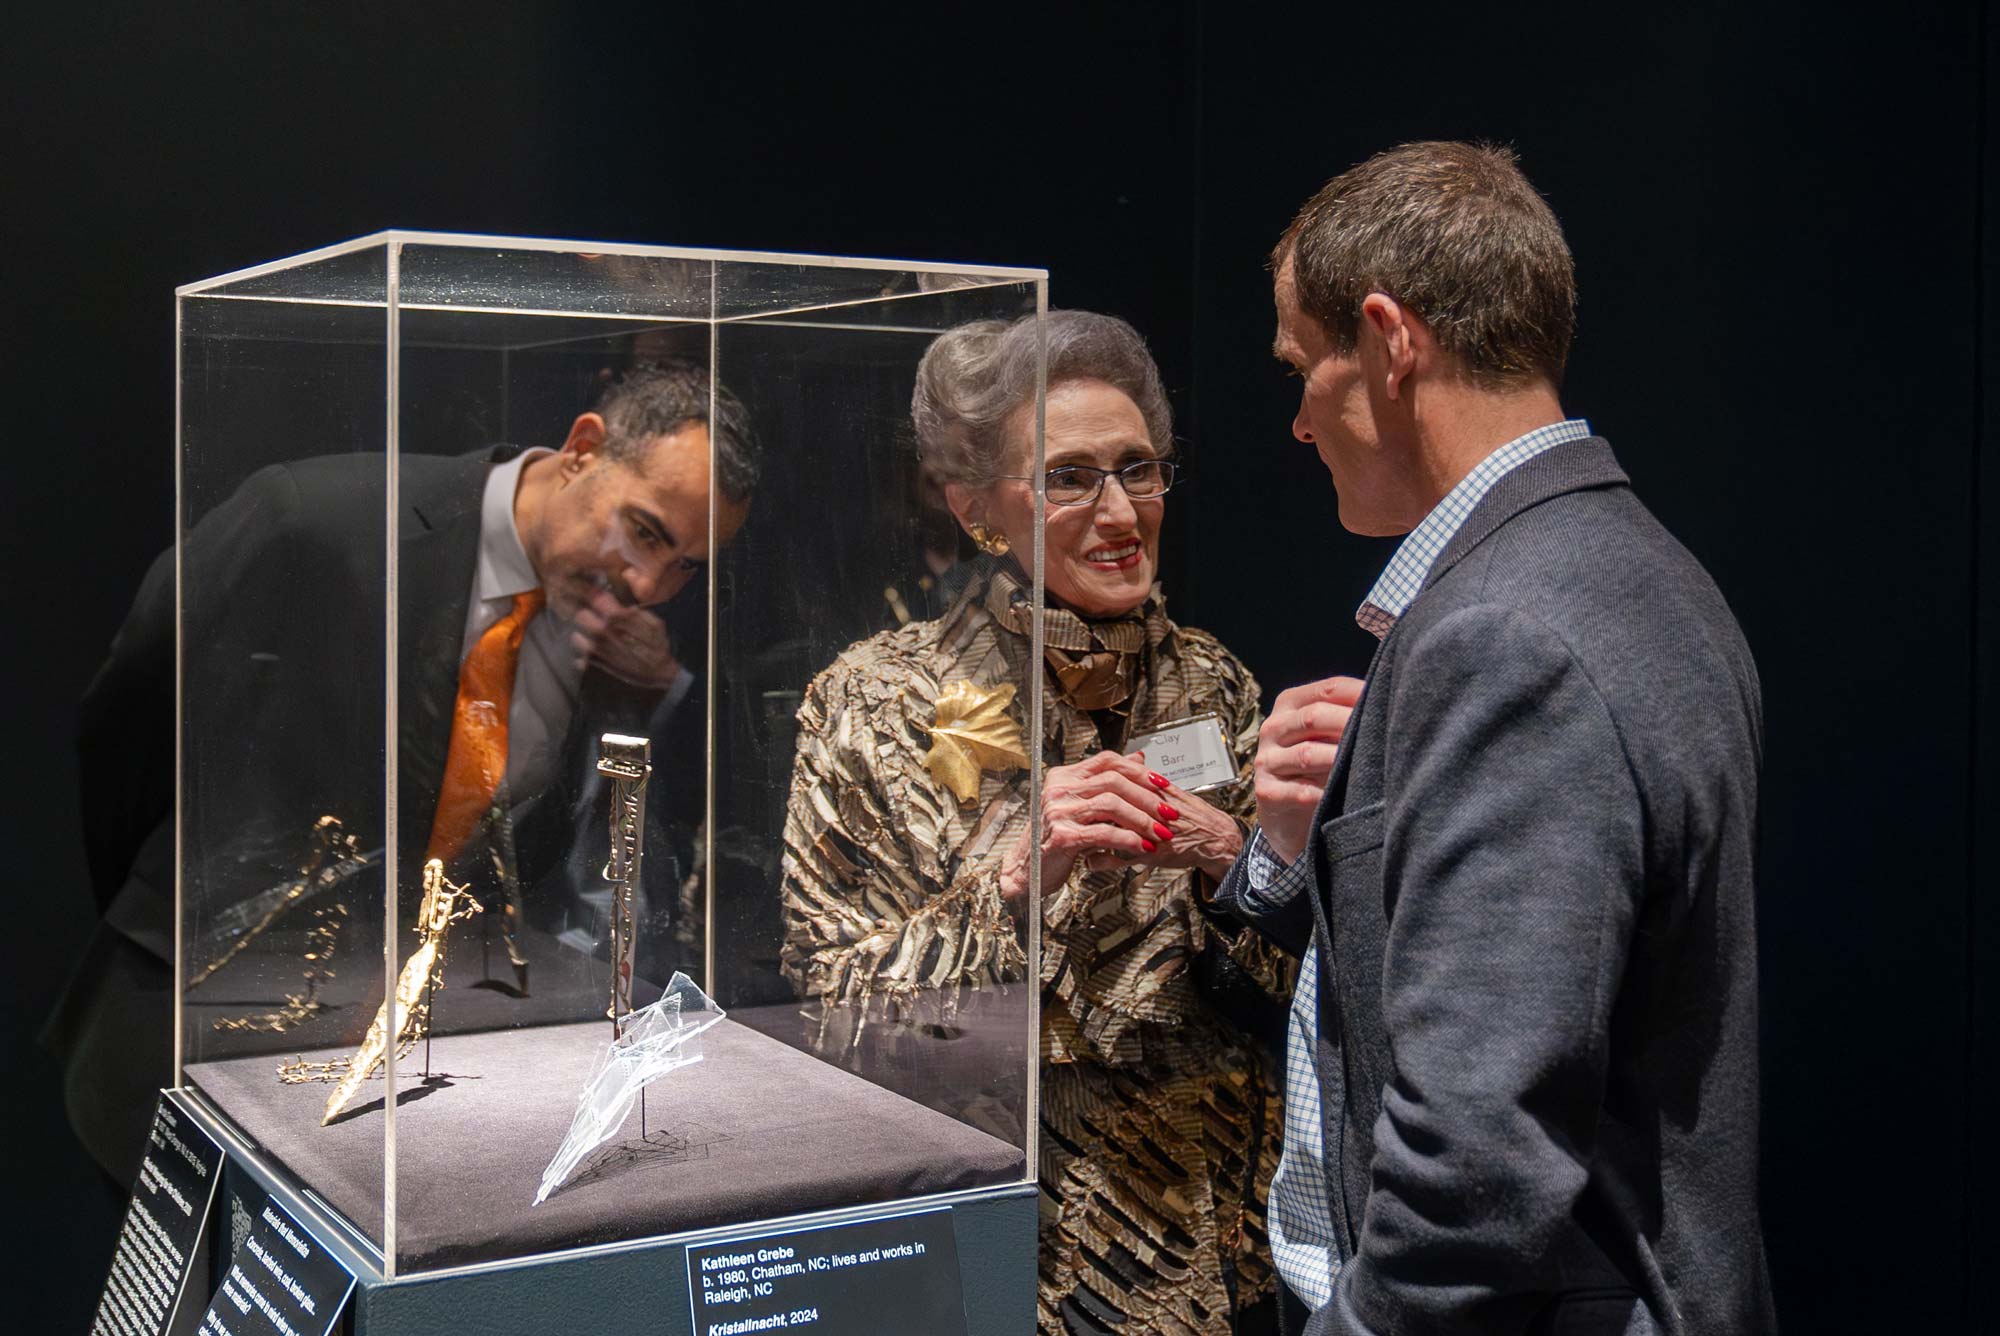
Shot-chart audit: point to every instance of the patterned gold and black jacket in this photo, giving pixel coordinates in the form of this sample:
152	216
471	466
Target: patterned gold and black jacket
892	887
1160	1121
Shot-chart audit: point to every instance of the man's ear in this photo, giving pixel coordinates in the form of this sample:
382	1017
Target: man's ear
1400	333
580	447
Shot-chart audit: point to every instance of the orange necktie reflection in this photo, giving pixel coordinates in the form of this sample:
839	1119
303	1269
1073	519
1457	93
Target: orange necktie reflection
477	759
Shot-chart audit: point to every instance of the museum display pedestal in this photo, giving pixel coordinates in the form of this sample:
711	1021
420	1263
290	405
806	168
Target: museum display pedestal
458	781
724	1143
642	1283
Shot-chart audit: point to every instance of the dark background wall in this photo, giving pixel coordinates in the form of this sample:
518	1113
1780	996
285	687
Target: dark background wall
1783	227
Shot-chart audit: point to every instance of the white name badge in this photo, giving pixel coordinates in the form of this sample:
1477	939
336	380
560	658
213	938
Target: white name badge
1191	752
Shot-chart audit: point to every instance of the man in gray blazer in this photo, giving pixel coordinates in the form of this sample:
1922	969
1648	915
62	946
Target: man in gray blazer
1518	865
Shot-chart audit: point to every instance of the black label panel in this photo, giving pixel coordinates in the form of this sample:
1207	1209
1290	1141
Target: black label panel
163	1226
898	1274
281	1282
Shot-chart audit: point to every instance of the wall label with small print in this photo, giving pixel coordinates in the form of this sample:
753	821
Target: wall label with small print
281	1282
163	1228
899	1273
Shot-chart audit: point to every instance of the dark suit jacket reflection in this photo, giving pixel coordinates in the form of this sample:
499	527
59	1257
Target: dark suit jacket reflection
1531	901
285	682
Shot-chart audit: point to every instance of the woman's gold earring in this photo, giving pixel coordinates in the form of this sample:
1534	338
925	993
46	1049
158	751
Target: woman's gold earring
989	542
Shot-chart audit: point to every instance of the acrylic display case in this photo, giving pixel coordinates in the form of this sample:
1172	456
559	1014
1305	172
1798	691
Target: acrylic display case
342	416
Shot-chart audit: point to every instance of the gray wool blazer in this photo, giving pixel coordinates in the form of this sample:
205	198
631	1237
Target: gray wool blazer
1531	898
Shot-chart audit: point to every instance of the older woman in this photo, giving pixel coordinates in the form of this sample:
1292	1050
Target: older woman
1160	1120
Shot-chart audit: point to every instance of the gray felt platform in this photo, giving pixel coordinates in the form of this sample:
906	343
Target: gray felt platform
756	1130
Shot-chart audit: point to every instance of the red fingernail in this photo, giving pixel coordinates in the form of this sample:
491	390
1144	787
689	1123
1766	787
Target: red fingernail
1162	831
1147	845
1157	781
1167	812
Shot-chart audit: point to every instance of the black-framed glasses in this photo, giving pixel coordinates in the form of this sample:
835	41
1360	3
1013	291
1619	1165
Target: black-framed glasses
1081	484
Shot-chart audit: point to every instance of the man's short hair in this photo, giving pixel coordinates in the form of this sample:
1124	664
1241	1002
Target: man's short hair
650	399
1455	234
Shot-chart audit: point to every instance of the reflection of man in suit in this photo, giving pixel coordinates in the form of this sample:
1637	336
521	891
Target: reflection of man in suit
1522	1061
532	584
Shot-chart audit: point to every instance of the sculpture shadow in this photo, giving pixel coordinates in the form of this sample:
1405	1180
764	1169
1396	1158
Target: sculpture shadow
424	1089
657	1149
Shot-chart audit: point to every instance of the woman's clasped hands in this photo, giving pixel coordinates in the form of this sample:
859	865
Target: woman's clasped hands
1109	811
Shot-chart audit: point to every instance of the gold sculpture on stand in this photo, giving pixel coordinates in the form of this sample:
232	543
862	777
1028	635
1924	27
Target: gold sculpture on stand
422	974
302	1006
334	858
499	840
626	761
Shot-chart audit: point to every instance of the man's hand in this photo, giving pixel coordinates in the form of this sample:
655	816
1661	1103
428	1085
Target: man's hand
1295	754
629	643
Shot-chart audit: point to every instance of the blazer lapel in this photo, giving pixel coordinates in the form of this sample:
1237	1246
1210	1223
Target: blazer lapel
1330	1045
439	549
1333	802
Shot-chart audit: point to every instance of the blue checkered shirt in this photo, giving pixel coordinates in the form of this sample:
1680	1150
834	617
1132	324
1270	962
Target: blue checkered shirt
1301	1214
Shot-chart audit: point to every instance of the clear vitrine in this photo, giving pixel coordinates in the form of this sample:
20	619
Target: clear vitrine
452	510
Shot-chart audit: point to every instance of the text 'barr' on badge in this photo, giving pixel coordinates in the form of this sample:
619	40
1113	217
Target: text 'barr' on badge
1191	752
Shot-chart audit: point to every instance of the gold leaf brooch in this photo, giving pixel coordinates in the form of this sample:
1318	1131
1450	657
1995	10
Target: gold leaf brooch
973	732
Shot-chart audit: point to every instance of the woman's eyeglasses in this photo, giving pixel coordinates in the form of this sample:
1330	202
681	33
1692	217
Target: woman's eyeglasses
1080	484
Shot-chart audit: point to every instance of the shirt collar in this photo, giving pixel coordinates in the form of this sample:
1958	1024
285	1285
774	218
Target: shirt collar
1404	577
504	568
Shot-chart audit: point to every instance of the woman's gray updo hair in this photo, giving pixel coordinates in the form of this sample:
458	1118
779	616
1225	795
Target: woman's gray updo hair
974	377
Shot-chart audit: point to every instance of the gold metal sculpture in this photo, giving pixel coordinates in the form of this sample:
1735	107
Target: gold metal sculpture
333	858
303	1005
973	731
627	762
499	838
422	974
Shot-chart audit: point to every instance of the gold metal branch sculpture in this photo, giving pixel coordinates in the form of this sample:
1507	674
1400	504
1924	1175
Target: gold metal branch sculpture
333	858
422	974
321	941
